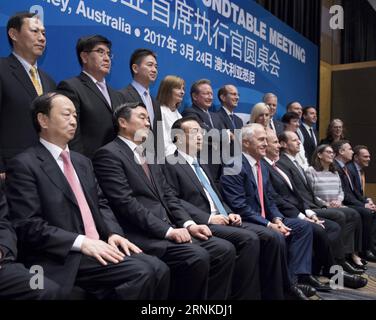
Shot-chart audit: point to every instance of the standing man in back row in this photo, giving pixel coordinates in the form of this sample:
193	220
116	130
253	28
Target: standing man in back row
144	69
21	80
94	100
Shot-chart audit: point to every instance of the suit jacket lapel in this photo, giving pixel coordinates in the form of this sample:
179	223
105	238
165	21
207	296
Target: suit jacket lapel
128	153
93	87
227	119
20	73
192	175
52	170
251	176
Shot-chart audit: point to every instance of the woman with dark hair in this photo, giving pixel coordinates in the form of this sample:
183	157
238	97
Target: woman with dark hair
170	95
334	132
327	188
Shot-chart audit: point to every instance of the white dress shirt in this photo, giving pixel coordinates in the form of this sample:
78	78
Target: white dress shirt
56	152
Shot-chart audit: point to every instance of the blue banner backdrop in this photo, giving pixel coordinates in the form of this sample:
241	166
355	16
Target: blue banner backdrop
225	41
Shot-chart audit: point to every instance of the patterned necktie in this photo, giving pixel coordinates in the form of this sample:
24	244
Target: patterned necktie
141	153
210	120
87	218
260	188
103	89
232	120
34	79
206	184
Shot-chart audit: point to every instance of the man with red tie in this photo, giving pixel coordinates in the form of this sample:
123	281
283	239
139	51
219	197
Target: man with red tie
247	194
63	221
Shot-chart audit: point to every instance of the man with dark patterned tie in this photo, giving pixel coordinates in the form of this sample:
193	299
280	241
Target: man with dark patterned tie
63	220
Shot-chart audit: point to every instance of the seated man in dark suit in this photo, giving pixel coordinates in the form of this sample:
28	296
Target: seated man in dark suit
93	98
353	198
63	221
14	277
21	80
152	216
356	167
195	186
327	242
348	219
247	194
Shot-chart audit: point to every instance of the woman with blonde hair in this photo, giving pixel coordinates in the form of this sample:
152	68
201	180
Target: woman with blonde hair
170	95
260	114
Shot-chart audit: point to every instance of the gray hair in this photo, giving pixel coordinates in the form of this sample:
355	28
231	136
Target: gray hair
249	130
268	95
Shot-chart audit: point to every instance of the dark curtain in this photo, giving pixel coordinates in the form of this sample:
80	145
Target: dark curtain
304	16
359	34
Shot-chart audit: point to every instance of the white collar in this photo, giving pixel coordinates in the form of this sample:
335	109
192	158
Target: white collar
53	148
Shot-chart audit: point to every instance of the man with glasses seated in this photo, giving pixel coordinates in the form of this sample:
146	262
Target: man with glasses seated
94	100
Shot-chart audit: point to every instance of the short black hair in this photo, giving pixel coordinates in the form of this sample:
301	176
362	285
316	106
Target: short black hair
222	91
178	124
305	110
87	43
138	55
42	104
124	111
16	21
337	145
288	116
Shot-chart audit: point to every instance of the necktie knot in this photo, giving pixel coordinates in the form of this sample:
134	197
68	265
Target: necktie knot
65	156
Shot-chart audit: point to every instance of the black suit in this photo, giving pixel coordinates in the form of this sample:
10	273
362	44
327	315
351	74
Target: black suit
184	181
279	126
47	219
309	143
95	125
354	199
14	277
290	204
356	180
347	218
147	210
16	94
227	123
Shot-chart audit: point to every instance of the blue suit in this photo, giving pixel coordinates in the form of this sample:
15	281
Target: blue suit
241	194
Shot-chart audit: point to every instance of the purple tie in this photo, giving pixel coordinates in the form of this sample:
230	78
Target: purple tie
103	88
87	217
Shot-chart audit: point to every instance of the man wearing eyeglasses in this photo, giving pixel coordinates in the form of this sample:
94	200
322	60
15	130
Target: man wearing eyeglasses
94	100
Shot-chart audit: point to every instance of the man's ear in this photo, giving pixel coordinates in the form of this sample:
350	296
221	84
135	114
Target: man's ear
13	34
43	120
